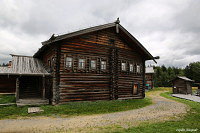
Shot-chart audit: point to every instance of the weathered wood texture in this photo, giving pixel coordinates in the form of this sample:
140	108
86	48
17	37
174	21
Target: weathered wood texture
49	59
7	84
86	84
182	87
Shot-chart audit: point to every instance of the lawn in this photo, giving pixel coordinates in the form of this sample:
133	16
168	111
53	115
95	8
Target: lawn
7	99
189	123
77	108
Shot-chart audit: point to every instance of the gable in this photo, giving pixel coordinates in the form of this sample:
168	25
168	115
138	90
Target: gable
116	27
101	39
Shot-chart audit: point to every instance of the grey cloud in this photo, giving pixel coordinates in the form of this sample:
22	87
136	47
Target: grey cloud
166	28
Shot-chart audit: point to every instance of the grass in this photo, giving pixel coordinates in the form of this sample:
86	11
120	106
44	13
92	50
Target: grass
77	108
7	99
189	122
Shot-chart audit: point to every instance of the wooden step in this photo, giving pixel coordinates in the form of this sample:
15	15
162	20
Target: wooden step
32	101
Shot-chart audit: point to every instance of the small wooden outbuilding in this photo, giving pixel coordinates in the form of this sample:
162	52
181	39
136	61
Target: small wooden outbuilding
182	85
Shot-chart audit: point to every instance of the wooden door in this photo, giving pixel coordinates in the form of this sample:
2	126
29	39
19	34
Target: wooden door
135	89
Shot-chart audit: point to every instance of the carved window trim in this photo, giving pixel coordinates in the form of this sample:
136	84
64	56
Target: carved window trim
49	63
81	63
93	64
131	67
123	66
103	65
69	62
138	68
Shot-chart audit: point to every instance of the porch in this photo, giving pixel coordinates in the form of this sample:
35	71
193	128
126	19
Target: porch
30	90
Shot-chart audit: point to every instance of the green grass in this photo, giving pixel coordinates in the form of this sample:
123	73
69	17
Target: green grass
7	99
189	121
77	108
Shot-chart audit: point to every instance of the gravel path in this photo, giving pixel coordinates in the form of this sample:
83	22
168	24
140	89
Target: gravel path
162	109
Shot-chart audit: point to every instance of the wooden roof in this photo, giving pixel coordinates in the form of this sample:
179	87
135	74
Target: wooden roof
183	78
122	31
4	70
24	65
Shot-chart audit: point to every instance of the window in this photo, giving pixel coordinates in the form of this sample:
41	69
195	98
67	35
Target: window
123	66
93	64
138	69
49	63
69	62
103	65
131	67
81	63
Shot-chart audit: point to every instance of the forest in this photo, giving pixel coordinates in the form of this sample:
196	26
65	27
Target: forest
163	75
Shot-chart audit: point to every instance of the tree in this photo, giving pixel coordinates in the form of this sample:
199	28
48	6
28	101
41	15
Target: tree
192	71
163	75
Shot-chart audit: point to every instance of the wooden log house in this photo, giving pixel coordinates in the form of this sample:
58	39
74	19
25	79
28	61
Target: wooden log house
100	63
104	62
182	85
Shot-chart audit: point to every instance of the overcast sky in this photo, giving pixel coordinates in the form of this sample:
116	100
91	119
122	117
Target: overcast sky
167	28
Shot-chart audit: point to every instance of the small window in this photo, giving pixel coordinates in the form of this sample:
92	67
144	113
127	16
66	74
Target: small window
131	67
103	65
93	64
123	66
49	63
81	63
69	62
138	69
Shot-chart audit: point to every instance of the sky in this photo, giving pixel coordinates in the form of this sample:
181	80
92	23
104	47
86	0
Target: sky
166	28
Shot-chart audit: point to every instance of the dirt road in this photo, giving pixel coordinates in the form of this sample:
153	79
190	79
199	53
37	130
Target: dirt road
162	109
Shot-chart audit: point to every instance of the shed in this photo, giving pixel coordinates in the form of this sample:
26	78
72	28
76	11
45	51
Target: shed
182	85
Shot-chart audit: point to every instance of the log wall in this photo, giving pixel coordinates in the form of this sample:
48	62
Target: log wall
182	87
7	84
49	60
87	84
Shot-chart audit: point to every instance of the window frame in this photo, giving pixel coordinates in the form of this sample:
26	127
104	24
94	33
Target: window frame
93	68
105	65
123	67
84	63
49	63
131	70
138	70
66	62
